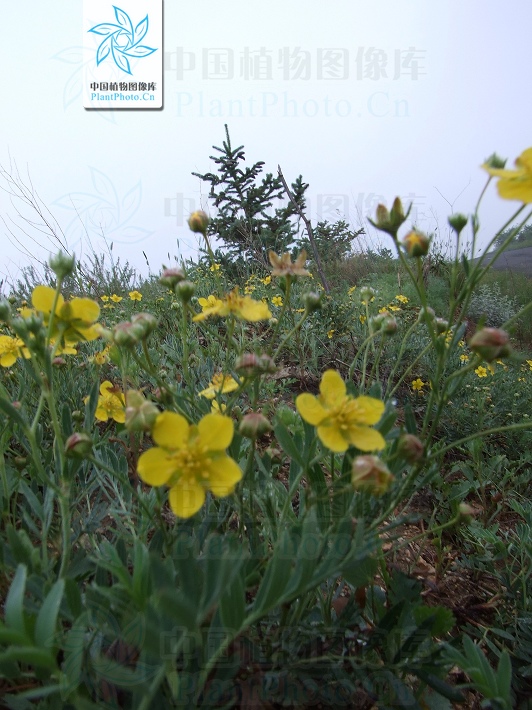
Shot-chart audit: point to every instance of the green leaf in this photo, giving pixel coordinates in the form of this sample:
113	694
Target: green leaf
14	605
504	678
276	577
29	654
11	637
233	603
47	617
284	437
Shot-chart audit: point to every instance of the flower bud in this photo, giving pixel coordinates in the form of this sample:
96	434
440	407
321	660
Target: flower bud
125	335
465	513
78	444
62	264
457	222
441	325
5	310
59	361
390	221
140	412
275	454
416	244
370	474
410	448
171	277
428	311
12	299
254	425
78	415
185	290
20	328
367	294
312	301
198	222
20	462
494	161
247	365
490	343
144	323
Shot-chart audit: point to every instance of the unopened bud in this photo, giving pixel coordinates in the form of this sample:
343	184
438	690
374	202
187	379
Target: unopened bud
62	264
312	301
144	324
457	222
410	448
78	415
424	312
465	513
198	222
370	474
185	290
275	454
441	325
78	444
254	425
140	412
494	161
20	462
171	277
416	244
59	361
367	294
125	335
490	343
390	221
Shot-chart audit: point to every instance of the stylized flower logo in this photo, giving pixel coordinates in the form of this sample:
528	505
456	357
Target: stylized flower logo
122	40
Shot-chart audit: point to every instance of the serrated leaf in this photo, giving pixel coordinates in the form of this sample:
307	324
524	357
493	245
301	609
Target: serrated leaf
47	617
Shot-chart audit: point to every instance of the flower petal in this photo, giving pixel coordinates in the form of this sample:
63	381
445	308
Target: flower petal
216	431
331	436
310	408
186	498
224	474
170	430
252	311
366	439
332	388
525	160
369	410
516	188
42	299
84	309
155	466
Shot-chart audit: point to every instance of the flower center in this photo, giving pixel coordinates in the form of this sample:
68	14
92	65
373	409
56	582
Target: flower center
192	465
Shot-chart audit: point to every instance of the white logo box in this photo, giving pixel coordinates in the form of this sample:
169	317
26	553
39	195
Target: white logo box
123	54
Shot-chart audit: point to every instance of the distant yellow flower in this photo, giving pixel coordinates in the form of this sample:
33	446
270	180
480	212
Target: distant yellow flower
101	357
461	343
217	408
283	266
11	349
418	384
214	267
249	289
104	298
350	290
220	384
401	299
115	298
135	296
277	301
74	320
330	333
515	184
394	308
209	302
481	371
111	404
242	307
190	460
529	363
340	419
362	319
464	357
267	280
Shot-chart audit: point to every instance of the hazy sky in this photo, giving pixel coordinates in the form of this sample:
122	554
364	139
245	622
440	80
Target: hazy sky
367	100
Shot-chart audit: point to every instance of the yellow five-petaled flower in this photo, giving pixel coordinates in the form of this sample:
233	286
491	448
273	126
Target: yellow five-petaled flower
515	184
242	307
111	404
340	419
73	320
191	460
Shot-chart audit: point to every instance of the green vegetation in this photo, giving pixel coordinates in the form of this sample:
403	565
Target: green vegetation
245	483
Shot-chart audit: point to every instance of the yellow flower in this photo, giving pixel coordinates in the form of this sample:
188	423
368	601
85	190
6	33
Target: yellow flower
111	404
220	384
283	266
464	357
214	267
529	363
65	349
267	280
115	298
101	357
74	320
135	296
190	460
330	333
401	299
209	302
242	307
481	371
362	319
394	308
104	298
418	384
249	289
11	349
277	301
350	290
515	184
217	408
340	419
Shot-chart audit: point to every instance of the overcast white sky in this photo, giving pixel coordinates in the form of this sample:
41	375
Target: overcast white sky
367	100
